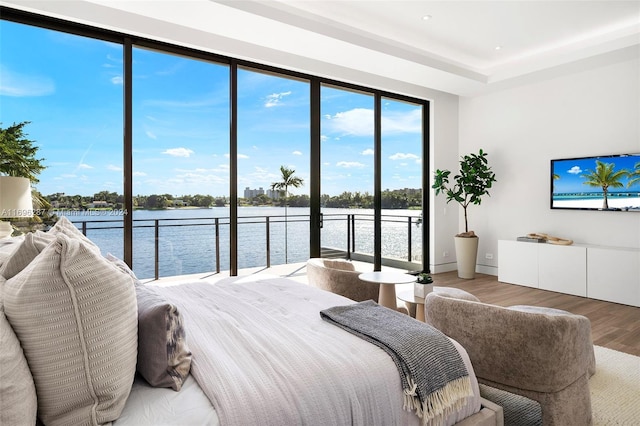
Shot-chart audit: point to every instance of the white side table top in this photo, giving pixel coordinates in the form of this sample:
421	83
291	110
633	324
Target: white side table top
387	277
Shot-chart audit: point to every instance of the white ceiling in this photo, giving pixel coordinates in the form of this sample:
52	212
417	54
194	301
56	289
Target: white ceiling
454	51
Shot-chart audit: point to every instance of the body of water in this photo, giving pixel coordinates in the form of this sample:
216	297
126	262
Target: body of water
187	237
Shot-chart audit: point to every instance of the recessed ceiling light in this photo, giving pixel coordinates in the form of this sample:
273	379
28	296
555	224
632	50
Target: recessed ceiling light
426	17
498	48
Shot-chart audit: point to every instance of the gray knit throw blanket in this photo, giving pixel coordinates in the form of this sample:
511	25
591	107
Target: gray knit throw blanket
434	378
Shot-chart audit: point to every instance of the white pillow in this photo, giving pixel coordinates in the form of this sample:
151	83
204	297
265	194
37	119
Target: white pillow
66	227
75	315
29	248
18	402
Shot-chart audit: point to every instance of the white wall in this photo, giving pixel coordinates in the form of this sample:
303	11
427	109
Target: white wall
591	112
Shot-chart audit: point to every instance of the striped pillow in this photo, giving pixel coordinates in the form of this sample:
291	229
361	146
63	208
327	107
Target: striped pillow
18	402
75	315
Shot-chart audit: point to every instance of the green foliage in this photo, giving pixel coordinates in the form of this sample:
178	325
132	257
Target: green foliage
605	177
634	176
288	179
424	278
17	153
473	181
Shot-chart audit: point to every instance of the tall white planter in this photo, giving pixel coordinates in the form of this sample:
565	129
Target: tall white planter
466	255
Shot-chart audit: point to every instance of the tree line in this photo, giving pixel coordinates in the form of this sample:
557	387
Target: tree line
391	199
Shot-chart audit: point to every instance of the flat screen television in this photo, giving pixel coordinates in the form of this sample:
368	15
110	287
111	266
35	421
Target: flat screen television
608	182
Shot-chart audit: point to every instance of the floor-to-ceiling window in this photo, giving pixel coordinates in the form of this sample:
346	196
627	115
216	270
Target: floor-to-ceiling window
273	169
180	138
66	93
347	171
401	179
204	138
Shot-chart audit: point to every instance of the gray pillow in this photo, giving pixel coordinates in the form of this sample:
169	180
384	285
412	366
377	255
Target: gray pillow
76	318
164	360
18	402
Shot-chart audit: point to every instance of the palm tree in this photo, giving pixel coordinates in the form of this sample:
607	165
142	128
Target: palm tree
604	177
634	176
288	180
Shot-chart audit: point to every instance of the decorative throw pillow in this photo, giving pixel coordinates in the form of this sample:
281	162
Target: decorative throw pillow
123	267
30	247
8	246
18	402
75	315
164	360
343	265
66	227
455	293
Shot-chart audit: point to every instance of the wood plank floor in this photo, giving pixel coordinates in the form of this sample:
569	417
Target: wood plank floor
613	325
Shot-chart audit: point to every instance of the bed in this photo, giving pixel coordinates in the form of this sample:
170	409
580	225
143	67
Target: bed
245	350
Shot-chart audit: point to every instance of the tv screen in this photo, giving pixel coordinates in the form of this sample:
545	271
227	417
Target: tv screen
610	182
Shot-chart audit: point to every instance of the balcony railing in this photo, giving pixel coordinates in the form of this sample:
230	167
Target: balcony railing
182	246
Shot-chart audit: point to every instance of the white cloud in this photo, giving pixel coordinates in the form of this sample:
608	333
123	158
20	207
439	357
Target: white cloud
178	152
84	166
357	122
114	168
240	156
575	170
349	164
150	135
367	152
117	80
296	153
403	156
139	174
402	122
23	85
274	99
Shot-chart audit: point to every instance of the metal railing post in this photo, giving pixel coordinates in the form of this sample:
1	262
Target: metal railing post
409	238
217	221
348	237
84	228
353	233
267	226
157	248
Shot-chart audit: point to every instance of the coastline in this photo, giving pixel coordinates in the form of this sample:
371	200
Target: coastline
614	203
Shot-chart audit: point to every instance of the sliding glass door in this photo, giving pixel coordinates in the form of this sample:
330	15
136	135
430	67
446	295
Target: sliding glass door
180	164
346	172
273	169
401	180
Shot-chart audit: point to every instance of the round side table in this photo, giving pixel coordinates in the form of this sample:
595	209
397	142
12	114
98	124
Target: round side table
387	281
409	297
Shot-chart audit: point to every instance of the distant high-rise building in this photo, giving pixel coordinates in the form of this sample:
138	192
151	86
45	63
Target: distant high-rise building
252	193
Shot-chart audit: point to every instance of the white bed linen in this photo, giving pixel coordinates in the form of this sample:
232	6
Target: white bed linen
272	360
149	406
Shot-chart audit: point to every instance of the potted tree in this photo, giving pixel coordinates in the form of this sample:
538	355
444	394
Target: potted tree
469	186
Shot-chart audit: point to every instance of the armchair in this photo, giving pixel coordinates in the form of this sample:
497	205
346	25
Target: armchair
340	277
540	353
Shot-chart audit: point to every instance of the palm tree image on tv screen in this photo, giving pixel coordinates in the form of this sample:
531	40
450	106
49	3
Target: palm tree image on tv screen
596	183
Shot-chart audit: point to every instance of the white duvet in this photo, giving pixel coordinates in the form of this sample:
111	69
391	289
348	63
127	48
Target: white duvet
263	356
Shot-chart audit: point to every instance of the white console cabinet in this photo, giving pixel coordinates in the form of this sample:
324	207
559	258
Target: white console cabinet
604	273
614	275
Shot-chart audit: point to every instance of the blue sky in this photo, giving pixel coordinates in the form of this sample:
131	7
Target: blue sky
571	171
70	88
